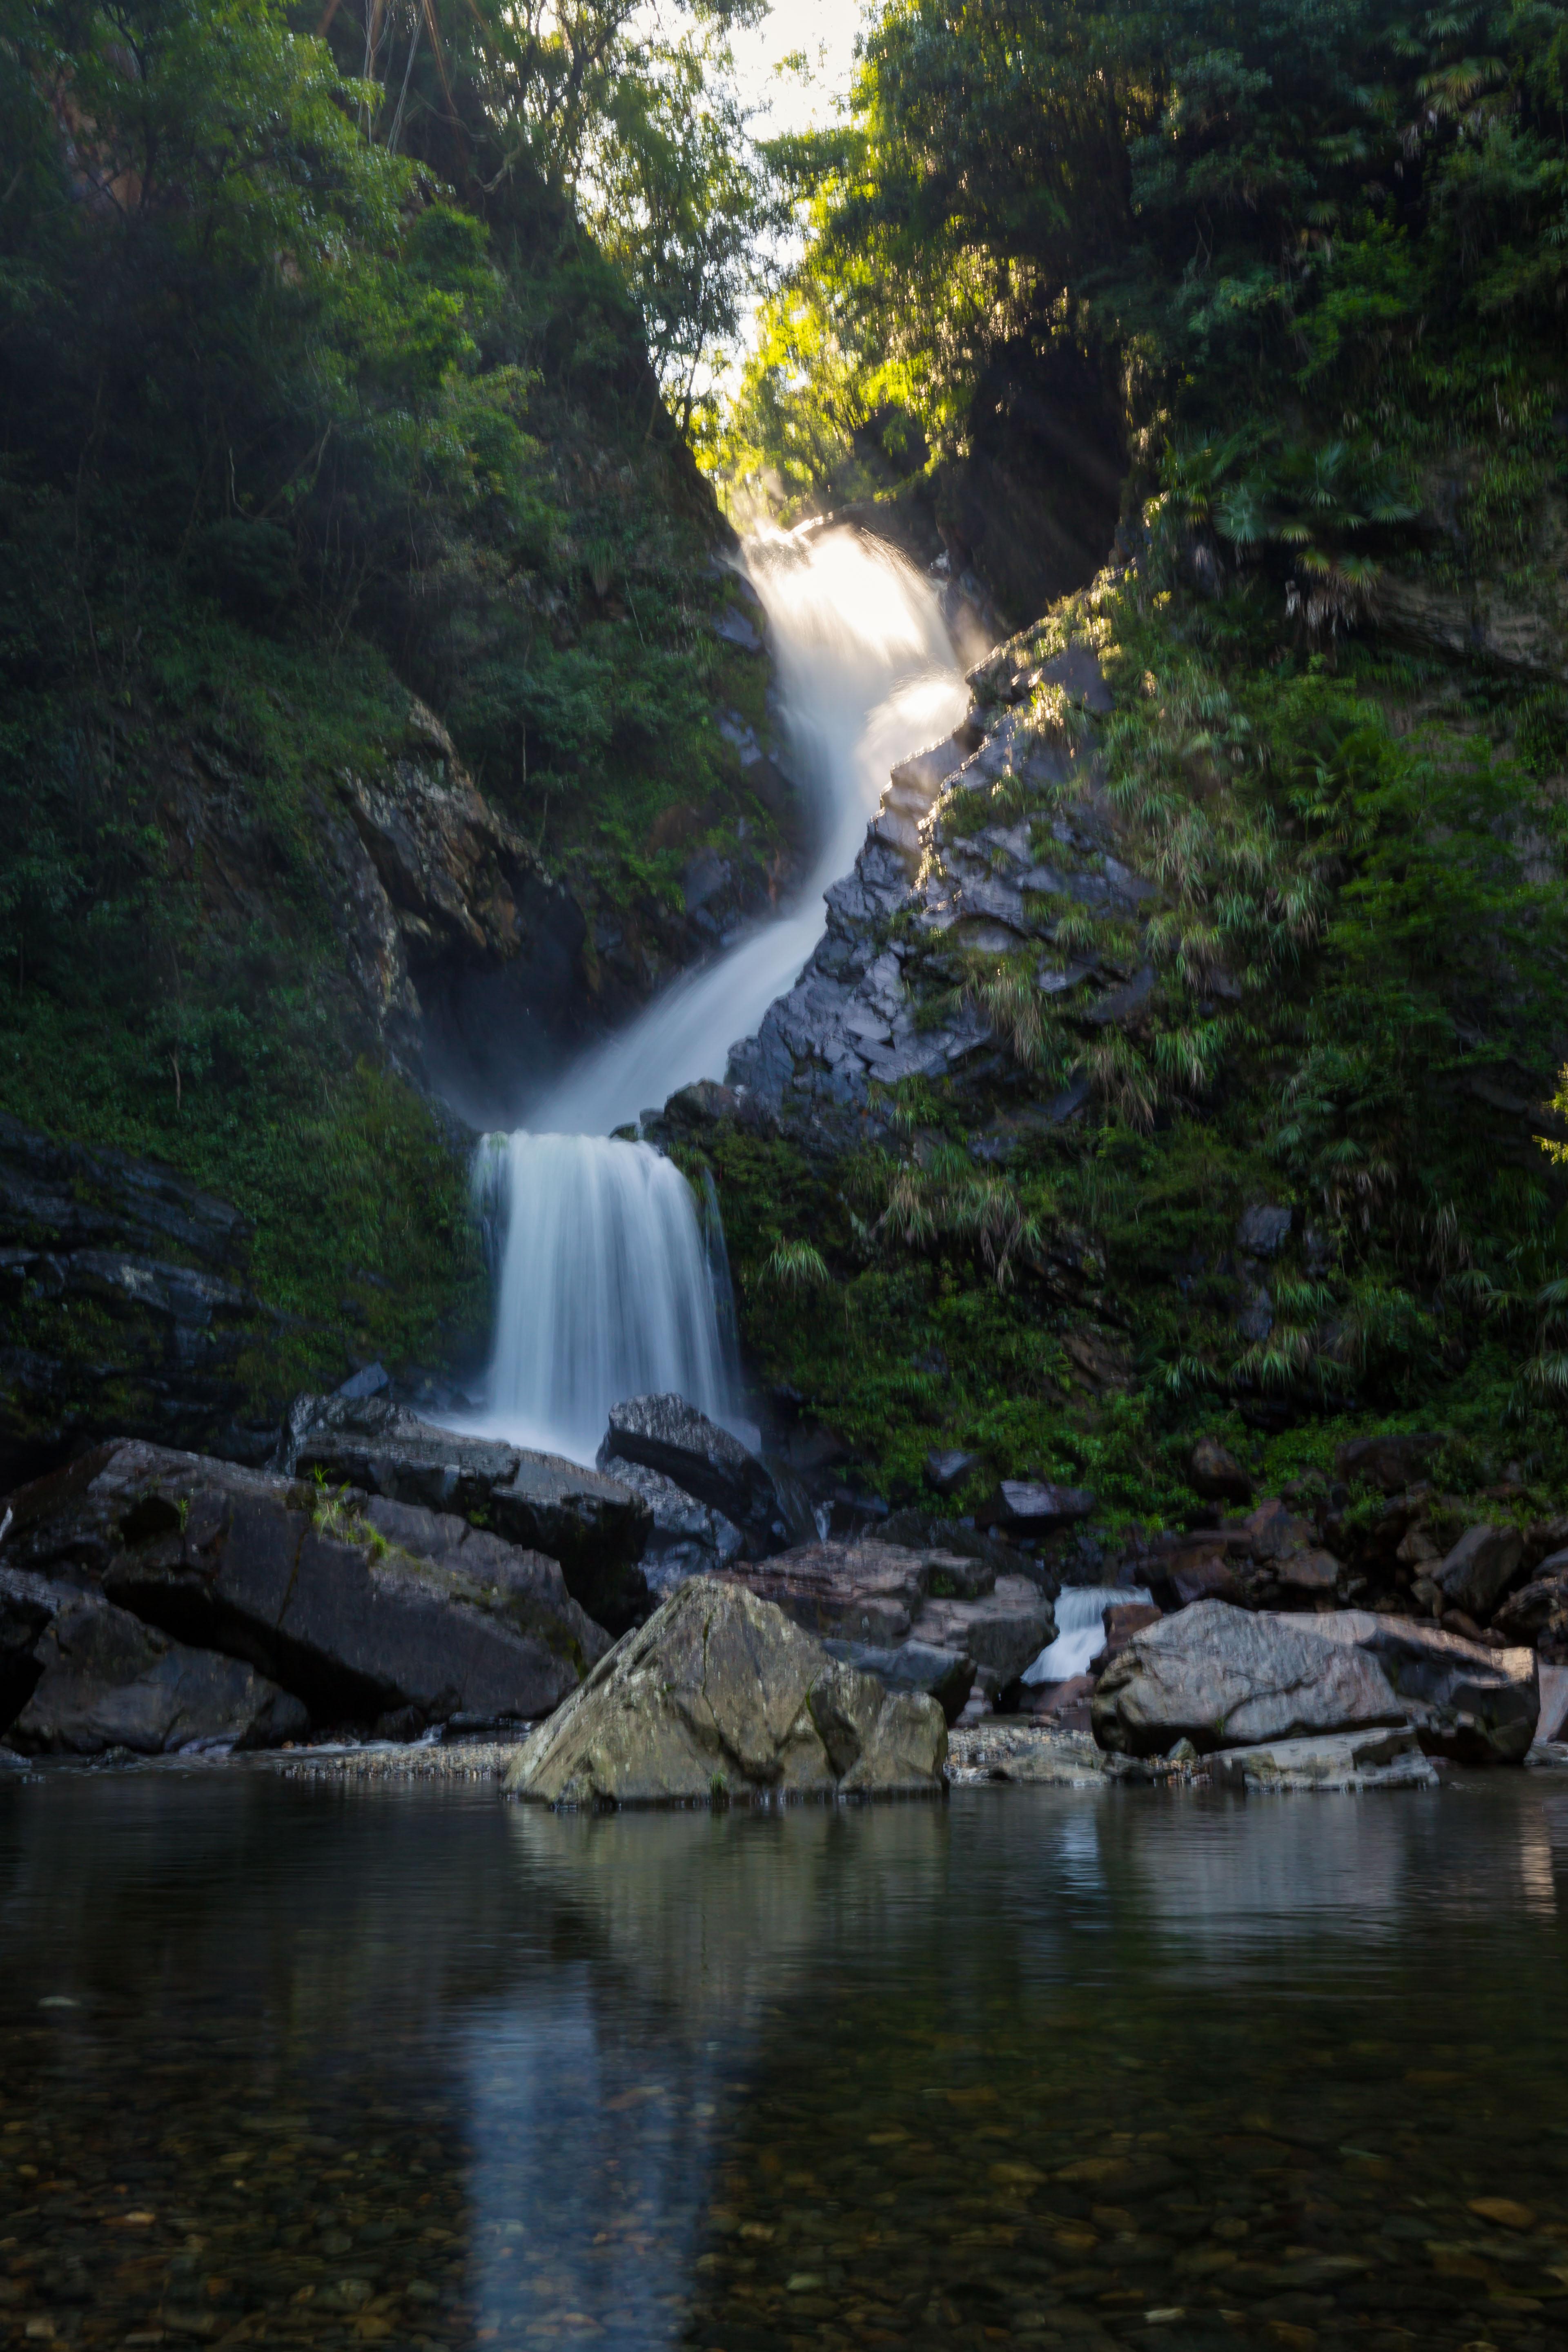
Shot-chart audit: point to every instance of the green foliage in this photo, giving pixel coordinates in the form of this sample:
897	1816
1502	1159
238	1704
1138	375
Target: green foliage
1301	245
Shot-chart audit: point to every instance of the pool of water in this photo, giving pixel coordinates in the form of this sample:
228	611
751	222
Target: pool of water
318	2066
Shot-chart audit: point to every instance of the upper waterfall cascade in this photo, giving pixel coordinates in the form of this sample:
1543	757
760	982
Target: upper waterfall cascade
866	676
608	1286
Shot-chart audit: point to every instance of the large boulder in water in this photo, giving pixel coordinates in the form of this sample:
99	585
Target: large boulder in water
360	1605
1224	1677
721	1697
107	1680
593	1525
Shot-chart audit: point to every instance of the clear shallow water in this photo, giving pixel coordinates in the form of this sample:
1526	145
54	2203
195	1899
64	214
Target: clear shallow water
411	2066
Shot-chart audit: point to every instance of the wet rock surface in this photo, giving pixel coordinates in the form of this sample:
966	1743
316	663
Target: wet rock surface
107	1680
987	841
1224	1677
125	1306
665	1435
360	1605
688	1537
722	1697
595	1527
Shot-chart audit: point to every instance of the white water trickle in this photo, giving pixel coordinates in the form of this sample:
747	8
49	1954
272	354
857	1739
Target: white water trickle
1080	1629
607	1288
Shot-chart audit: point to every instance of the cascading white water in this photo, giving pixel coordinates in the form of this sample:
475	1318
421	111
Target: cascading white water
865	676
1080	1629
606	1290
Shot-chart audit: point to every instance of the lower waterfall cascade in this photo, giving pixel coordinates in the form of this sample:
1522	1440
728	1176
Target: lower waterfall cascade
1080	1630
612	1275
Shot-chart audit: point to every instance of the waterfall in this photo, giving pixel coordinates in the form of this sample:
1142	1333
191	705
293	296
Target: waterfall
1080	1629
614	1279
865	676
605	1292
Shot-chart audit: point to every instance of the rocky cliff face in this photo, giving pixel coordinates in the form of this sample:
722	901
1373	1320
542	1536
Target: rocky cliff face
988	843
128	1306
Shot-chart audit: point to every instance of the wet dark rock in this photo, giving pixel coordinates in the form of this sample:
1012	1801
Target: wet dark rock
27	1605
124	1302
667	1434
1479	1568
359	1604
883	1595
1215	1474
106	1681
594	1526
1225	1677
1002	1630
688	1537
1029	1508
722	1697
1391	1463
860	1592
946	1676
1537	1613
465	953
1121	1622
1263	1230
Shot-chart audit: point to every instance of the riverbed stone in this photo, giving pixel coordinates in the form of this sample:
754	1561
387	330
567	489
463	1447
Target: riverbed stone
857	1591
594	1526
359	1604
1226	1677
1031	1507
1000	1631
721	1697
107	1680
1214	1472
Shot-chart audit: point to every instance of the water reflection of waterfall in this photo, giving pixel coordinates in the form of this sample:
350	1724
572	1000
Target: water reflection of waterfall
613	1278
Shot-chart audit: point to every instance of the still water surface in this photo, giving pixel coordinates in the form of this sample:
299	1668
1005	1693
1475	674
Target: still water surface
410	2066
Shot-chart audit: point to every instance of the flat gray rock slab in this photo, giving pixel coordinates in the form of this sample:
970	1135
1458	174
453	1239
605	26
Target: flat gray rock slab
721	1698
1346	1761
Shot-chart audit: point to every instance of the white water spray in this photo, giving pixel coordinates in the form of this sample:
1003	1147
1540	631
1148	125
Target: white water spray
1080	1629
607	1289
